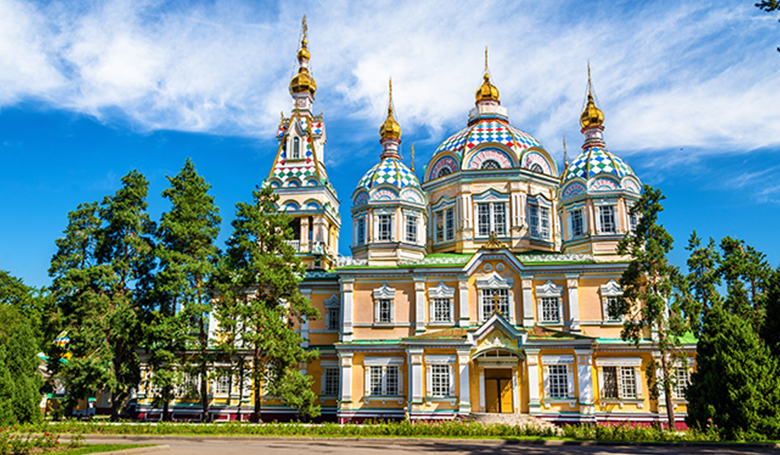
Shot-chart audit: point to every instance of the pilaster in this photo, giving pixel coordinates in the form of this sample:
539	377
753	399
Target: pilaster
347	288
534	400
463	301
419	305
528	301
572	281
464	406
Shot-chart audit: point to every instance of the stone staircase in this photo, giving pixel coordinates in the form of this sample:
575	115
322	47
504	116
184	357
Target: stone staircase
521	420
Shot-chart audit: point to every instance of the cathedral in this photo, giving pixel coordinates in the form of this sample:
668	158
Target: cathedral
479	285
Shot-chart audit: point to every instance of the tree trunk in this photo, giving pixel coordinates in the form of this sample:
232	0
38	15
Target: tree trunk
668	393
204	399
166	400
256	383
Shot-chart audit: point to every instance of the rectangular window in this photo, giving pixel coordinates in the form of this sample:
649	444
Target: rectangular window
559	381
577	227
411	229
610	301
222	385
450	223
331	381
633	221
296	151
333	319
483	219
383	381
440	380
550	309
607	216
539	222
441	310
544	219
391	380
495	300
533	220
384	311
385	227
361	231
439	226
375	378
627	383
681	383
610	386
499	219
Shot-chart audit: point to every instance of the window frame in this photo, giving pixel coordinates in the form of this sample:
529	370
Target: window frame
495	221
384	227
410	231
360	231
558	380
607	214
329	383
575	231
539	221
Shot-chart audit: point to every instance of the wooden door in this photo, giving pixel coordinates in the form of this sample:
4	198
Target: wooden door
505	386
492	397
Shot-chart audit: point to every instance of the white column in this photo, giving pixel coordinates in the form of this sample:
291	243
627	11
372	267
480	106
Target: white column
534	403
482	406
585	381
414	358
463	301
419	304
347	286
345	361
464	406
512	306
572	281
305	324
528	301
515	392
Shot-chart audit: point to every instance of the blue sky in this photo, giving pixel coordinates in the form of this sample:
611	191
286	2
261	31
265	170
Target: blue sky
91	90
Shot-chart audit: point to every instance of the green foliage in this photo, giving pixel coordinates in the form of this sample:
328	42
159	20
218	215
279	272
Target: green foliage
182	287
745	272
770	330
22	364
100	273
6	390
649	300
736	386
703	281
259	279
13	443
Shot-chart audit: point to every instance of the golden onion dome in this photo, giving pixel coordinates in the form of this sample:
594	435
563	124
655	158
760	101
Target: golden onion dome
303	82
488	91
592	115
390	129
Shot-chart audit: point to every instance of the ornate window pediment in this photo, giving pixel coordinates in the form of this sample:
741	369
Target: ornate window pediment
333	302
549	289
442	291
495	281
611	289
384	292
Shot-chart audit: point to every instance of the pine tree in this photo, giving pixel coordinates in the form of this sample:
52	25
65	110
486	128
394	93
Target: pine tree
6	391
648	284
101	272
260	260
745	271
736	384
188	258
22	364
770	330
703	279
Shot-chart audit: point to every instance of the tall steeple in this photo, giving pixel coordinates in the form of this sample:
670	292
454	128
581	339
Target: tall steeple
488	91
390	131
302	85
592	119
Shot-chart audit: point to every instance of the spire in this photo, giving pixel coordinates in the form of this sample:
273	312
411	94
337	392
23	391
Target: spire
592	115
487	92
390	129
303	82
565	158
412	158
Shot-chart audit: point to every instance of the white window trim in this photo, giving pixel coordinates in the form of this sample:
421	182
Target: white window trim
441	291
541	203
549	289
327	365
358	219
628	362
598	204
495	281
384	292
568	361
611	289
491	217
448	360
377	216
570	212
417	217
383	362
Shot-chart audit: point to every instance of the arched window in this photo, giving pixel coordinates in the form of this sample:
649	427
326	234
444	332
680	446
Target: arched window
490	164
536	167
444	171
296	151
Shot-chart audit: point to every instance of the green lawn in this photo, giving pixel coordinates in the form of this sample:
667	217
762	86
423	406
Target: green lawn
97	448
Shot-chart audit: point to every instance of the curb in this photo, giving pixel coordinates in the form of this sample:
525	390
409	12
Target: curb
156	448
433	441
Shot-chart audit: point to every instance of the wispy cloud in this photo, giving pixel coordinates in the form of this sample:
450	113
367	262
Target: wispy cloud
668	76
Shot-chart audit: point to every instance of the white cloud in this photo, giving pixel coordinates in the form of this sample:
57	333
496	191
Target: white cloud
667	75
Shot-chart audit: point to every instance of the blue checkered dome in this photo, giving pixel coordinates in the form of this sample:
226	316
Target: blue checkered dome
594	161
389	171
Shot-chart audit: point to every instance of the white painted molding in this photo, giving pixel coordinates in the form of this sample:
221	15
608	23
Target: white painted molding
442	291
549	289
382	361
384	292
333	302
557	359
495	281
611	289
619	362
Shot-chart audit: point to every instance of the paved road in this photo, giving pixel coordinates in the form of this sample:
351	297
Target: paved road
274	446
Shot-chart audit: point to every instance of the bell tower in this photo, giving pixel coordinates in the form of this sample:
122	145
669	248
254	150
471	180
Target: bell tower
298	174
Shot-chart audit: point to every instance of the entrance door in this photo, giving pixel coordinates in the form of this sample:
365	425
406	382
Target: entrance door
498	390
